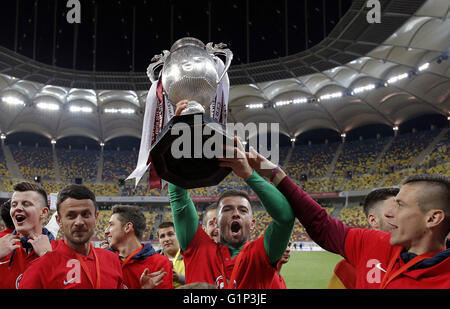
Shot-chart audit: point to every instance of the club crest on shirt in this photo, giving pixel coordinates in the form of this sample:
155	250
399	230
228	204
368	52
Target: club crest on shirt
220	283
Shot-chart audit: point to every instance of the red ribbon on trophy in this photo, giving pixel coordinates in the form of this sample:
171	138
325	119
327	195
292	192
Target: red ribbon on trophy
159	111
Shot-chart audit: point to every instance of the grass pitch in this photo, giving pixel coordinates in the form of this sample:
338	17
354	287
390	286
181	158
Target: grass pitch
309	269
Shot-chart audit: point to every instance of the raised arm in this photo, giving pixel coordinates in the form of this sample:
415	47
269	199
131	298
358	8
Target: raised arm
278	233
327	232
184	215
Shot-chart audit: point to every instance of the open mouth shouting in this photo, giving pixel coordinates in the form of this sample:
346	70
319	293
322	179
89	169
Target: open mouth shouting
20	219
236	229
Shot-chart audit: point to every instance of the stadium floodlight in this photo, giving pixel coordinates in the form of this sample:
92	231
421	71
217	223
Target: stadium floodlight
80	109
119	111
11	100
396	78
424	66
293	101
331	95
358	90
300	100
254	106
48	106
283	103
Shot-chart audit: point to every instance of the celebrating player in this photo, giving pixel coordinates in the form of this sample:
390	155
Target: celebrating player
413	255
375	204
124	234
29	240
235	262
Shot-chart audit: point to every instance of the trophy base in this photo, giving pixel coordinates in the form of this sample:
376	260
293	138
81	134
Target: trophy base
194	170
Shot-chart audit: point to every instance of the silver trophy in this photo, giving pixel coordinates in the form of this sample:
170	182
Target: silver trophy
189	73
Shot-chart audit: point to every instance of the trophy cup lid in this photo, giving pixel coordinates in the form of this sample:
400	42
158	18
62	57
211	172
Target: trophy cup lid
187	41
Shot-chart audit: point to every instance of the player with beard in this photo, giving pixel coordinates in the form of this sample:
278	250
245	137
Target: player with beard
209	225
29	241
75	263
234	262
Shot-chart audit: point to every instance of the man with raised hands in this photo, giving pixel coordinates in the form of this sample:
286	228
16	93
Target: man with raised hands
124	234
234	262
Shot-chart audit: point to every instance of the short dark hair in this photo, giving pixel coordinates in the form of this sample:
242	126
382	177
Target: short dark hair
433	178
213	206
441	181
133	214
233	192
6	217
164	225
78	192
24	186
378	195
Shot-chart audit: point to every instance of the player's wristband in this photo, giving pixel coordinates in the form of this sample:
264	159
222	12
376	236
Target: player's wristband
274	173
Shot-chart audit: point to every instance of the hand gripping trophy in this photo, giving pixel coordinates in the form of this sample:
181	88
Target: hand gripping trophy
190	71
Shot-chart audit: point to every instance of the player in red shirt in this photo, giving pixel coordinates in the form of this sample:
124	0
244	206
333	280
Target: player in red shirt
75	263
235	262
209	225
414	255
375	203
124	233
29	240
278	281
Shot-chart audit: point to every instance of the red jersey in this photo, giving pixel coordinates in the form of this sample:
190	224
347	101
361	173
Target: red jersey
13	266
343	277
5	232
379	265
63	268
134	265
278	282
209	262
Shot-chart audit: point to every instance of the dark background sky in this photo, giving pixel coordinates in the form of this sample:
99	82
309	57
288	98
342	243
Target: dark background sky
124	35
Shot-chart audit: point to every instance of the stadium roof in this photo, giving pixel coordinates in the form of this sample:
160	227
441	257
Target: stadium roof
359	74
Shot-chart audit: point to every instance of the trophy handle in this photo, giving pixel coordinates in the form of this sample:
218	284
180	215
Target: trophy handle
160	59
220	49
